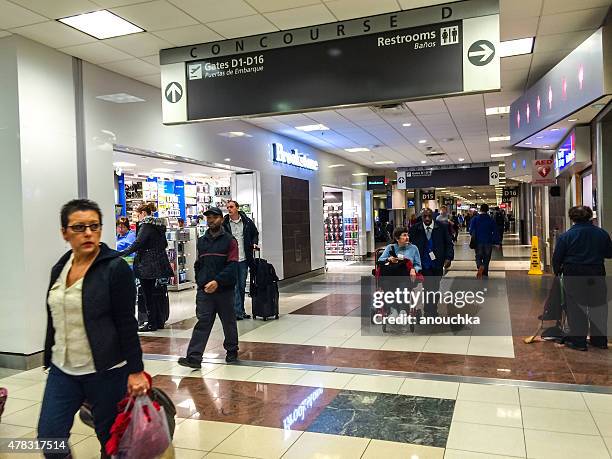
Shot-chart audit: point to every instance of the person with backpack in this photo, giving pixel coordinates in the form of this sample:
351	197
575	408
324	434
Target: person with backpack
215	271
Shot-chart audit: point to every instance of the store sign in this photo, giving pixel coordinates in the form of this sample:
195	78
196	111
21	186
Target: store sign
293	158
405	55
428	195
424	173
376	182
543	172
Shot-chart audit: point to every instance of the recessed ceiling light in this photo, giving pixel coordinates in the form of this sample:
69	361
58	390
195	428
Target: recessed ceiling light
461	159
101	24
516	47
234	134
572	120
312	127
123	164
331	166
528	143
162	169
422	141
407	124
546	146
356	149
170	163
442	160
384	162
423	161
360	173
500	138
227	159
539	137
500	155
497	110
120	98
555	129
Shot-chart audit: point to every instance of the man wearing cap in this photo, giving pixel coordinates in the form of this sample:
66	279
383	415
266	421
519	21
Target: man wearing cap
215	271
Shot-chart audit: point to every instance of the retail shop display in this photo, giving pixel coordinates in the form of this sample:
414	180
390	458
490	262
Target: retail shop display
334	229
181	253
351	235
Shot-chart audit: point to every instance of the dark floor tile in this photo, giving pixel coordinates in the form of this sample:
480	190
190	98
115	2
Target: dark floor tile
335	304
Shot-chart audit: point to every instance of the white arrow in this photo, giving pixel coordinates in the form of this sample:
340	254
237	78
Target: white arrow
174	91
485	53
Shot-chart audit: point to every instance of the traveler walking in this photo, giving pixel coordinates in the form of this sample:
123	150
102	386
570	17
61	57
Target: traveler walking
436	251
151	262
579	256
484	236
215	271
500	221
244	230
91	345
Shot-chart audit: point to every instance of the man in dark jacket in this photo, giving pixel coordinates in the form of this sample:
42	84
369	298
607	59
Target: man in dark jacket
216	278
484	230
436	250
244	230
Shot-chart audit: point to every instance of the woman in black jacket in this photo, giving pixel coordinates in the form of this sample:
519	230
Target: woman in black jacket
151	262
92	346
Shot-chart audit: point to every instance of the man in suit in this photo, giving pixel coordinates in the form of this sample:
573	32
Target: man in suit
436	250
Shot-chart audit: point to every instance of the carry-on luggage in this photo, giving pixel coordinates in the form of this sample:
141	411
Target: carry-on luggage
263	289
160	299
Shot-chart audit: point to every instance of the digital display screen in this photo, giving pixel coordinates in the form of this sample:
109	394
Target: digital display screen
566	153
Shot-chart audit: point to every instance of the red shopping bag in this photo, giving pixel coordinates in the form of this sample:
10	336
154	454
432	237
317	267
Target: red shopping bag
140	431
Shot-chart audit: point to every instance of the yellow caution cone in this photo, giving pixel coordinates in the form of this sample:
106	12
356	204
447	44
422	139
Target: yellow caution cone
535	268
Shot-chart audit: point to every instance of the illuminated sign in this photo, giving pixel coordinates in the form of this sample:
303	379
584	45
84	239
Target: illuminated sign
299	413
293	158
377	182
566	153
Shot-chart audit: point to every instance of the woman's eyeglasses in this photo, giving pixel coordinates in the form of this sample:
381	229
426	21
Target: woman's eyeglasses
79	228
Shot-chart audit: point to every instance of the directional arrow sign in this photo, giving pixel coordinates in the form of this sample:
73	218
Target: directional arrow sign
173	92
481	52
401	180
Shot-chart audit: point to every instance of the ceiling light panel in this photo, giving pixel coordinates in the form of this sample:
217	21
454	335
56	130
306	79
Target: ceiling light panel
101	24
497	110
312	127
356	149
516	47
384	162
499	138
120	98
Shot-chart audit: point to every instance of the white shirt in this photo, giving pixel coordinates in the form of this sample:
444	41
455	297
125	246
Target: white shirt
430	228
237	227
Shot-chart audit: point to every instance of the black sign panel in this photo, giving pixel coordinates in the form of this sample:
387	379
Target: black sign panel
450	177
425	173
390	66
428	195
509	192
376	182
448	201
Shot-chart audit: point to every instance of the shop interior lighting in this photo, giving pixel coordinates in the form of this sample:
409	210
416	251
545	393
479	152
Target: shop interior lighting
516	47
497	110
162	169
384	162
360	174
120	98
312	127
500	155
331	166
356	149
500	138
123	164
407	124
101	24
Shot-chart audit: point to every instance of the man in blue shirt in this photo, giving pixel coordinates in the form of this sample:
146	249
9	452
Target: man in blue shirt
579	255
484	230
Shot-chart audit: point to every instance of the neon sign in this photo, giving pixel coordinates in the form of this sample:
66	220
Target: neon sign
566	153
293	158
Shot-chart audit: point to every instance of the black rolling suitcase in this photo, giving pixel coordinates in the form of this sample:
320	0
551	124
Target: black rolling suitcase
263	290
161	300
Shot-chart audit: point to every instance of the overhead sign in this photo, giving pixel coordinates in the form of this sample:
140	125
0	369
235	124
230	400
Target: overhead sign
448	201
428	195
423	173
494	175
509	192
293	157
401	180
542	172
574	151
427	52
376	182
458	176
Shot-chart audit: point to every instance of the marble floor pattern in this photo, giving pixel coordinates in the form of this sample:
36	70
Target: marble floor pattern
325	415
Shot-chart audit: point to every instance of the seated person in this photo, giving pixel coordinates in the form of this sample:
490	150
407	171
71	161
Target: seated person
402	250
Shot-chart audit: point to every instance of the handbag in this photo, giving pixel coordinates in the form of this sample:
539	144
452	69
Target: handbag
473	242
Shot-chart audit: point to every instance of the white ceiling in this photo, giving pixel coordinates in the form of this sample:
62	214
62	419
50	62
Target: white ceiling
144	165
558	25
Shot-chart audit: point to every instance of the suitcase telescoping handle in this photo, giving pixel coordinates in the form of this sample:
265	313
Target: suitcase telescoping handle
256	251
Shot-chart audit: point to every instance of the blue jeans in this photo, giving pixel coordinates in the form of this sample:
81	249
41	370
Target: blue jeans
483	257
241	276
64	395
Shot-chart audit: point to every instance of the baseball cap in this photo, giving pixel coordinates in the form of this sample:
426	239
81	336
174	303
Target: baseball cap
213	211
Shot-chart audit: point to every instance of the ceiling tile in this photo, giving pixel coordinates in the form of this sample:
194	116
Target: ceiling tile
520	9
500	99
514	80
266	6
512	28
154	59
96	53
215	10
132	67
12	16
153	80
548	59
350	9
427	107
571	40
569	22
139	44
516	62
190	35
54	34
4	33
300	17
240	27
410	4
157	15
55	9
562	6
116	3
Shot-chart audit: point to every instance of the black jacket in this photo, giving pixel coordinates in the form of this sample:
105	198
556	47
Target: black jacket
217	258
249	232
151	261
582	244
109	299
442	243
